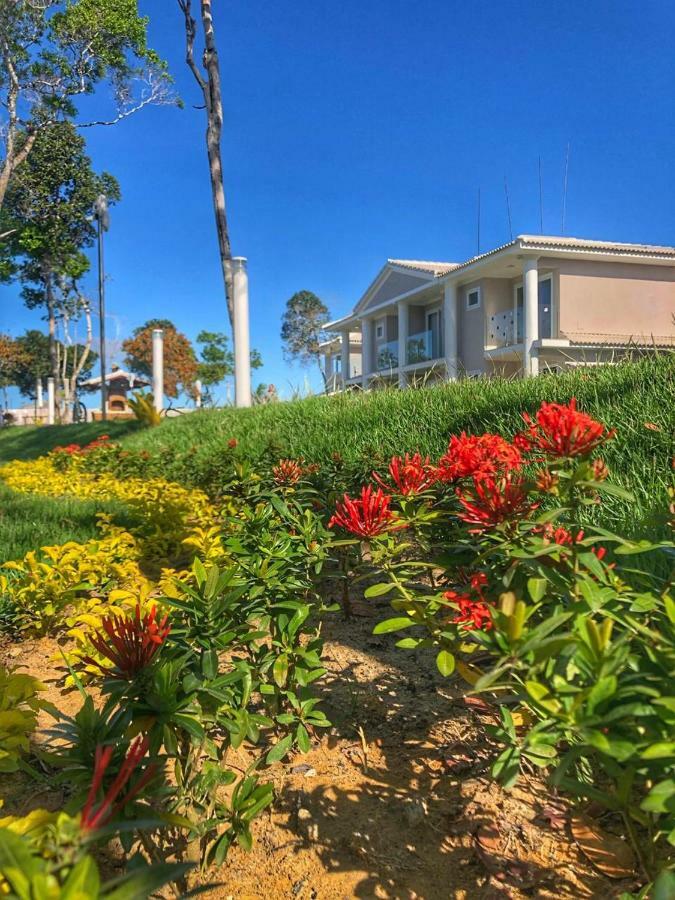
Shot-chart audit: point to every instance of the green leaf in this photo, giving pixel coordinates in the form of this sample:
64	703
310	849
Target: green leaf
280	749
408	643
83	881
660	750
506	768
445	663
661	798
394	624
17	863
664	886
536	587
140	884
378	590
304	743
602	690
280	670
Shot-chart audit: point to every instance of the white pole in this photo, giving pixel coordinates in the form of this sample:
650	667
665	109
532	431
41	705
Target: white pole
51	408
242	351
530	317
158	368
450	342
39	400
198	394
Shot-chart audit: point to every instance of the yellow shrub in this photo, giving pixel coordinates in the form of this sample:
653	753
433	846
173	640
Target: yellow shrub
19	705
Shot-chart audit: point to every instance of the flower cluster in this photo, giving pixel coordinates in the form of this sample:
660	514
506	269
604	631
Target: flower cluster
493	501
366	516
478	456
76	449
288	472
129	643
473	608
563	431
411	474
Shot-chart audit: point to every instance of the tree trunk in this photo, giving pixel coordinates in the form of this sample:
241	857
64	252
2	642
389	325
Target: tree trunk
51	319
213	103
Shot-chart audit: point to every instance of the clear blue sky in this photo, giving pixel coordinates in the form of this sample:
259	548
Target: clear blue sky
356	131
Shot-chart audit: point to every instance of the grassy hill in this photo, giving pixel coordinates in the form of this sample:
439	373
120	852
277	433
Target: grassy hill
638	399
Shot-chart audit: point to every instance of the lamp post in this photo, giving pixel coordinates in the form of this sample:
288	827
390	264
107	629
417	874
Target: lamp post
103	220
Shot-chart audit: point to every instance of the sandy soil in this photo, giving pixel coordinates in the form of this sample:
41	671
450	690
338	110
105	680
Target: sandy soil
394	802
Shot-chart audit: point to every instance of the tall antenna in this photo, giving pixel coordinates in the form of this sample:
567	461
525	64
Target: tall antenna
564	203
508	207
541	202
478	227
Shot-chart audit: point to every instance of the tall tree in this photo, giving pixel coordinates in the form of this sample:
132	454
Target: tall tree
56	51
48	214
303	328
216	361
75	364
180	362
210	85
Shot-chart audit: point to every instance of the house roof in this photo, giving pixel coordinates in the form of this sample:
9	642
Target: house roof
421	265
117	375
598	339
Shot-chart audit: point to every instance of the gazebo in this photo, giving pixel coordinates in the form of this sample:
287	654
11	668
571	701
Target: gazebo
118	384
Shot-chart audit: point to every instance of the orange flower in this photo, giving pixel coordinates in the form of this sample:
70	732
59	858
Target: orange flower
287	472
130	644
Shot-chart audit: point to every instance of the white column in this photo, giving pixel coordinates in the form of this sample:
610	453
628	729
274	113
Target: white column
39	400
403	323
345	362
450	316
198	394
158	368
242	348
51	404
530	317
366	351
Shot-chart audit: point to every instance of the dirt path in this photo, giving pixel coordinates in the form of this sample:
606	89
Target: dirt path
395	802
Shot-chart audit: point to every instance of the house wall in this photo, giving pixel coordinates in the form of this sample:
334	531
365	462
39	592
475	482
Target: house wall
395	283
471	337
615	298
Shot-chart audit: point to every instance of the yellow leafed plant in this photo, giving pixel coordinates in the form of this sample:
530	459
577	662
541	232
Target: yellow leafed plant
19	706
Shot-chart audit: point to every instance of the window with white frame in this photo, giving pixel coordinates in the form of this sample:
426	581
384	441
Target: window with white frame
473	298
379	331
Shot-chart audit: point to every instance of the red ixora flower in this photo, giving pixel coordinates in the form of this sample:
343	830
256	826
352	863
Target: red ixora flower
473	608
110	805
410	474
366	516
232	443
564	431
495	500
288	471
477	454
565	538
129	643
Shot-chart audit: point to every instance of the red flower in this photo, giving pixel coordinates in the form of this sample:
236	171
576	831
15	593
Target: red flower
410	474
131	644
92	818
232	443
288	472
366	516
494	501
563	431
484	454
474	611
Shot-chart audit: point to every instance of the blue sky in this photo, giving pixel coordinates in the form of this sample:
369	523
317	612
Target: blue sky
356	131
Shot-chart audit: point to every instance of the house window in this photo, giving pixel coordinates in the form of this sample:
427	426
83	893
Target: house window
379	331
545	298
473	298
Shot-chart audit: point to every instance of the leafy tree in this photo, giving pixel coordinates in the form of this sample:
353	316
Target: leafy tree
12	357
216	361
303	328
54	51
180	362
48	212
35	361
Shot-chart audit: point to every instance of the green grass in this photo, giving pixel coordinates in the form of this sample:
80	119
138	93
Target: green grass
637	399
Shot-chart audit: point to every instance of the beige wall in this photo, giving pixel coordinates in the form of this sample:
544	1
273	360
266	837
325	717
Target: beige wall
615	299
395	283
471	322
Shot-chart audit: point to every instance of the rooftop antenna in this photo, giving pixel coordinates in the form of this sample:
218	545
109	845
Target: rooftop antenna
478	227
541	202
508	207
564	203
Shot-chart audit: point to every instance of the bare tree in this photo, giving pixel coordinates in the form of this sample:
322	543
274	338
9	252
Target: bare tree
210	86
74	354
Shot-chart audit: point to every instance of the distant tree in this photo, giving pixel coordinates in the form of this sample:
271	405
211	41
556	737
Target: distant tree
303	328
180	362
12	357
209	84
216	361
35	363
54	51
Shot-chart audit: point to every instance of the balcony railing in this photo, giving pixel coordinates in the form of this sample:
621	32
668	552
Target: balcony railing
502	331
424	346
387	356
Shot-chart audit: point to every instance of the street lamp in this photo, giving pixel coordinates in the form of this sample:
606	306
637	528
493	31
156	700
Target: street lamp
103	219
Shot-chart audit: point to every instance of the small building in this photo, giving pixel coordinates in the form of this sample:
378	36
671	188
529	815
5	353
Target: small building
118	384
